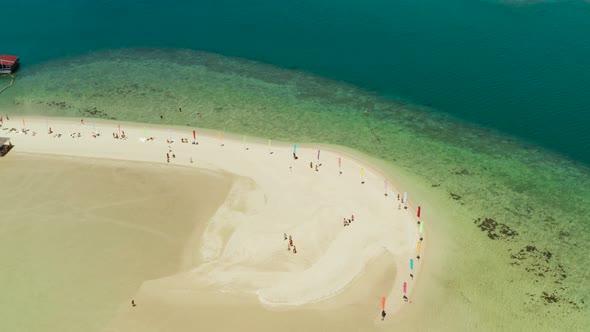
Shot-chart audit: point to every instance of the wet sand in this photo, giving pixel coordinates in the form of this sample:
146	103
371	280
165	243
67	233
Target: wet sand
78	236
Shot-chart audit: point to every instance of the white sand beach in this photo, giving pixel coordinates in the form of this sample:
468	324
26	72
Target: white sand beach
237	270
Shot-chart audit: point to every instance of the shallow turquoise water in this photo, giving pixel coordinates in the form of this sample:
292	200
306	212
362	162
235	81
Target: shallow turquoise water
520	69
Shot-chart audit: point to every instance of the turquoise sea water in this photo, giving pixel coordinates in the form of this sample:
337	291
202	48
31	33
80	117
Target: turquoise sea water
521	69
519	213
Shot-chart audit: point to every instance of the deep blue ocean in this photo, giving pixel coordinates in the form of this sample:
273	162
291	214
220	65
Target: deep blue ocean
523	70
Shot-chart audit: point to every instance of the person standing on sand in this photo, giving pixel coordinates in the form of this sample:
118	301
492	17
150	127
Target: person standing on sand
294	249
383	314
311	164
285	235
133	303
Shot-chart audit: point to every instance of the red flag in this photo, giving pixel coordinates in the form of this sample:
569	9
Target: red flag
1	121
418	212
194	134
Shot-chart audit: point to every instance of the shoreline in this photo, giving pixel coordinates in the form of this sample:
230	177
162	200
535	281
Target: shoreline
107	147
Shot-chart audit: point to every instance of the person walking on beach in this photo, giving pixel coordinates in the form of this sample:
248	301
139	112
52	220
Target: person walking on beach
294	249
167	157
383	314
311	164
285	236
133	303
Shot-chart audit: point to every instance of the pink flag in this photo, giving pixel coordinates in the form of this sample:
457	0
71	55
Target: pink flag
339	162
23	122
119	126
405	287
418	212
383	303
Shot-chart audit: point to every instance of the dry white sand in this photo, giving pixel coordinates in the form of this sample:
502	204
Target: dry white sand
244	253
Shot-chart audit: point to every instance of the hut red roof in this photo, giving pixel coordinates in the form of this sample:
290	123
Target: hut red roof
8	59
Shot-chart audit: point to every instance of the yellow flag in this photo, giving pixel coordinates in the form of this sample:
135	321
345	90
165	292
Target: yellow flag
418	247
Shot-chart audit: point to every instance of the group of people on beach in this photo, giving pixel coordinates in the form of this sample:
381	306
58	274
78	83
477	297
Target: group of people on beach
117	136
347	222
317	166
16	131
290	243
